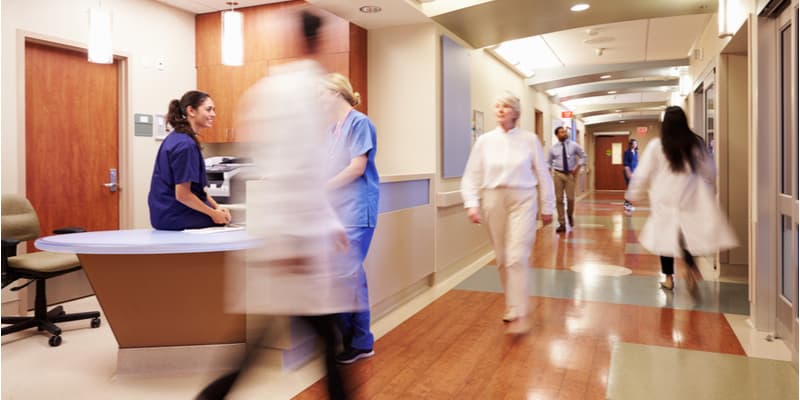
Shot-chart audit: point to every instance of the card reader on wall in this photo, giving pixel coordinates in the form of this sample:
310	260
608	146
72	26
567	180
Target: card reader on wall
227	177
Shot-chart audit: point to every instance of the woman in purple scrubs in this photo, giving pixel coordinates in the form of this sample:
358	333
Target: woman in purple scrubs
178	198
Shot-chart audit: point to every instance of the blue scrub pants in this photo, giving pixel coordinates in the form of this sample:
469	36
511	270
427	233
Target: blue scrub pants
355	326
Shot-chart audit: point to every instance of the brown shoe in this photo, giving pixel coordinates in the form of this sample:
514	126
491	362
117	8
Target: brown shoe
561	229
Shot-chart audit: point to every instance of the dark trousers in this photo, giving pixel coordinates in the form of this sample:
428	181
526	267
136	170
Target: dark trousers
325	328
668	263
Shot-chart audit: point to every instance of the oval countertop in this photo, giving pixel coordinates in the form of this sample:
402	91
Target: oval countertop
147	241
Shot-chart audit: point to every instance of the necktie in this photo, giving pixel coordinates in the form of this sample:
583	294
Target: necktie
564	156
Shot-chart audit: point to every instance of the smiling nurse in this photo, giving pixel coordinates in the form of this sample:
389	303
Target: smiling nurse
177	198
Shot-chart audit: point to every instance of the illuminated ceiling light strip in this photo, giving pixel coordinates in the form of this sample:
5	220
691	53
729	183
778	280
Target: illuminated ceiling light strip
100	36
232	37
722	20
579	7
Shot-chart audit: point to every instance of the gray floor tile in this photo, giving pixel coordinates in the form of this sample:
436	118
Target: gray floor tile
650	372
639	290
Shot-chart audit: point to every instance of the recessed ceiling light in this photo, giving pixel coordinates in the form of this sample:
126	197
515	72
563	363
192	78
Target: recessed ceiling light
370	9
579	7
612	92
605	77
621	122
617	110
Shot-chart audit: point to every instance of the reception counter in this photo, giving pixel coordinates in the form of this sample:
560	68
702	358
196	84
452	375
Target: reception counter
162	293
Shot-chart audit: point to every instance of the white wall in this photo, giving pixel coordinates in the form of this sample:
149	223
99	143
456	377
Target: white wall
402	97
143	30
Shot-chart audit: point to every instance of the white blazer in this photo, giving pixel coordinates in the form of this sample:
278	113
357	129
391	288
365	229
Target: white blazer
680	203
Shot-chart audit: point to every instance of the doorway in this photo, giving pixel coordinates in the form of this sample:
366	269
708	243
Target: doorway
538	124
71	147
786	166
608	167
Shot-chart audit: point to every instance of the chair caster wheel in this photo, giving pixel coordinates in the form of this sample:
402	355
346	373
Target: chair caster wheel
95	322
55	341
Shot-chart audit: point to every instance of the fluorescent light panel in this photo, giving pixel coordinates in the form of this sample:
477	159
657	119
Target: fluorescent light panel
528	54
100	36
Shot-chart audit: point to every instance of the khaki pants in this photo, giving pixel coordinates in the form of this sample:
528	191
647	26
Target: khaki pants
510	215
564	182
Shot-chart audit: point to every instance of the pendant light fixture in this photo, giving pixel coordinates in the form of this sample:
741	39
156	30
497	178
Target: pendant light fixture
100	36
722	20
232	36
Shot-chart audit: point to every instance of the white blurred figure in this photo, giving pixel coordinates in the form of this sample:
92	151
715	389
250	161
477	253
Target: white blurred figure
677	174
299	270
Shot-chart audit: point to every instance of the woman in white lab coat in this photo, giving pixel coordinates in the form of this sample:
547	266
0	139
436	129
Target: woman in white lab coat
677	174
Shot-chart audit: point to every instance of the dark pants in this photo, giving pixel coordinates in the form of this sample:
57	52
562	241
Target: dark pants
627	182
668	263
325	327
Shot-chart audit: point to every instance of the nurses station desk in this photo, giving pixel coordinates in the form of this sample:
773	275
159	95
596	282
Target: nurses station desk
162	294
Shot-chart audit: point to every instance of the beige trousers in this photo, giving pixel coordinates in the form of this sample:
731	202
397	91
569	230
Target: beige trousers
510	215
564	183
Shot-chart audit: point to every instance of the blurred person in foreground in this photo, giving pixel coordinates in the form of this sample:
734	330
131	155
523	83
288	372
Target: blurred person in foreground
301	270
354	190
506	168
677	174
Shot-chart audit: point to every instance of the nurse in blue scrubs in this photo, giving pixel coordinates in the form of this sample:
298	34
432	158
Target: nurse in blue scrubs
178	198
354	195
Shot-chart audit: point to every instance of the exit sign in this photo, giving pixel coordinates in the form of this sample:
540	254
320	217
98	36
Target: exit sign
641	130
566	114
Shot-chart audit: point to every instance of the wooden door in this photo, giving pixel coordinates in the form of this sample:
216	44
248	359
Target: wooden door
538	124
608	154
71	138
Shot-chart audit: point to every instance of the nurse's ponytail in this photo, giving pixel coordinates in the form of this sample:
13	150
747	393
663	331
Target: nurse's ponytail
176	114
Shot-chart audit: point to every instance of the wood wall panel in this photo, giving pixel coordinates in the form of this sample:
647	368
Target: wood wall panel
208	38
358	63
272	36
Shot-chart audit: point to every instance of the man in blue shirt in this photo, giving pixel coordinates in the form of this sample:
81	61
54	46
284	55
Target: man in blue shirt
565	159
630	160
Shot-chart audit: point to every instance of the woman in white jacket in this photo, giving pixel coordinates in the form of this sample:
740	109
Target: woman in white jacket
505	170
677	173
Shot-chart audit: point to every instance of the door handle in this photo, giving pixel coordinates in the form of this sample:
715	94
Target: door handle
112	186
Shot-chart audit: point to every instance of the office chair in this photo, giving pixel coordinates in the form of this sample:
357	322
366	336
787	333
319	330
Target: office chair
20	223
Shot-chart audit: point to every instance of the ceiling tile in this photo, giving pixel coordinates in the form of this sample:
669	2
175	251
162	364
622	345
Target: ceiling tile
623	42
673	37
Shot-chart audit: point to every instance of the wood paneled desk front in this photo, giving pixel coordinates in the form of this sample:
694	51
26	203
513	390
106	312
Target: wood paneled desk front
162	294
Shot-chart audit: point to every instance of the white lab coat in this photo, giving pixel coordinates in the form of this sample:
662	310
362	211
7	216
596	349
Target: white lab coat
680	203
298	270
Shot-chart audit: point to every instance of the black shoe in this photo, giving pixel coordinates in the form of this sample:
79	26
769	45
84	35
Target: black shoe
561	229
352	355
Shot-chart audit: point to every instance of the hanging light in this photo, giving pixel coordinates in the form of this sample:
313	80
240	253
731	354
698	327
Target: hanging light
100	36
722	20
232	36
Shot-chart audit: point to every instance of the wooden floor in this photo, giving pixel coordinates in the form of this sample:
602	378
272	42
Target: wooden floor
456	347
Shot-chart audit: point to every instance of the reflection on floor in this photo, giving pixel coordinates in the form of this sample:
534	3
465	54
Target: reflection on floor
601	329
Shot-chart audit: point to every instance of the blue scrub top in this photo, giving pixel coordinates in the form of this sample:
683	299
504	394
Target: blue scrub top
357	202
179	160
631	159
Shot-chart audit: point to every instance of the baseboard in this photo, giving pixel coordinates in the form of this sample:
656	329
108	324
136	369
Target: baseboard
169	360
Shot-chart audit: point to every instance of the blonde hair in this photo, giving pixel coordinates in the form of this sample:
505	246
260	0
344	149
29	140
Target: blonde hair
340	84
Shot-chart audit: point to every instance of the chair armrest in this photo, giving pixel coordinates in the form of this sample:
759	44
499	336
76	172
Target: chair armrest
68	229
10	248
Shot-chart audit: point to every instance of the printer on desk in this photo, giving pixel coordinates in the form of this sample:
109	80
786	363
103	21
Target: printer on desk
227	177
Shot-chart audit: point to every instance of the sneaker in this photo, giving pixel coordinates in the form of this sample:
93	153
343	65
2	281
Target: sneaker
352	355
561	229
509	316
